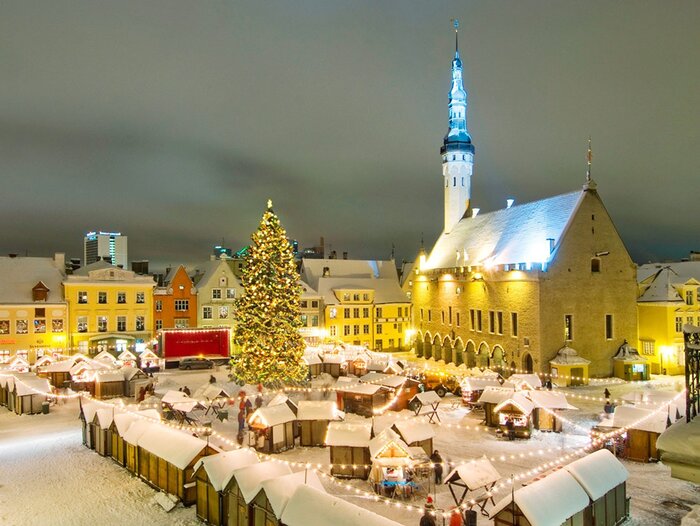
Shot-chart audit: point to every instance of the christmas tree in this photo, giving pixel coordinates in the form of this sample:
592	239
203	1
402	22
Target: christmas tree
268	312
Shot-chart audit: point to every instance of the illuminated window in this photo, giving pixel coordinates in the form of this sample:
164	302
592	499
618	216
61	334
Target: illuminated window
332	313
568	327
679	324
40	325
346	296
4	326
223	311
102	323
82	296
230	294
121	323
159	305
182	323
82	324
21	327
140	297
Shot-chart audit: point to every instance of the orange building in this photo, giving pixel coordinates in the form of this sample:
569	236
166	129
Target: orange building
175	302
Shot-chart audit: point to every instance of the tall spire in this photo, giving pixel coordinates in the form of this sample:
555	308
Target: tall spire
589	159
457	100
455	21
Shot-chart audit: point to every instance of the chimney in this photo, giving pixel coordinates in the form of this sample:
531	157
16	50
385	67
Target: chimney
345	255
12	255
334	255
326	272
475	212
509	202
550	240
59	260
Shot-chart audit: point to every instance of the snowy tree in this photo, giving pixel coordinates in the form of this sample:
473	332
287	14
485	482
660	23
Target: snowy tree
269	317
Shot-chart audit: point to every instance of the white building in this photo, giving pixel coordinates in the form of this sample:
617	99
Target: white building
107	245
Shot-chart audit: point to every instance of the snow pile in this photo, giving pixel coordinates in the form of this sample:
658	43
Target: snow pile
598	473
476	473
272	415
415	430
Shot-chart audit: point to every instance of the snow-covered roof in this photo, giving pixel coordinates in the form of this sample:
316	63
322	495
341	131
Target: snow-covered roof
280	489
548	501
148	354
126	355
479	383
102	377
220	467
415	430
106	356
19	275
318	410
272	415
334	358
365	389
530	379
175	447
130	372
386	420
63	366
388	444
31	386
495	395
179	400
105	417
598	472
89	409
475	473
681	442
136	429
355	434
641	419
124	420
629	354
568	356
250	478
311	359
519	401
280	398
549	400
427	398
519	234
309	506
210	392
662	285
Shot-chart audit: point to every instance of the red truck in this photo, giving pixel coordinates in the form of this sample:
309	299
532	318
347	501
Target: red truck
175	344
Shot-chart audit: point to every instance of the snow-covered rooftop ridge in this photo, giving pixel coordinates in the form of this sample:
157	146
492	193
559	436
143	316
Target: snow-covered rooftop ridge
681	442
564	498
495	395
641	419
318	410
519	401
366	389
681	271
176	447
388	380
662	287
220	467
19	275
250	478
568	356
427	398
530	380
308	506
105	417
475	473
313	270
519	234
272	415
598	473
415	430
549	400
280	489
210	392
136	429
355	434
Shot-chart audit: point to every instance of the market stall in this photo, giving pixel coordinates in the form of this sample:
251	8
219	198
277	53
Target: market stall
363	399
514	416
243	487
477	476
349	449
313	418
272	428
391	465
547	405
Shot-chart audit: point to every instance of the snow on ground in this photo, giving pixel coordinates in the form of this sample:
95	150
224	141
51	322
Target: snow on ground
44	466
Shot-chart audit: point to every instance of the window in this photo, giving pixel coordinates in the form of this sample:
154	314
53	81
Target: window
514	323
332	312
57	325
365	297
400	328
679	324
356	329
379	345
492	322
472	319
314	304
458	322
102	323
595	265
365	329
230	294
40	313
304	320
568	327
121	297
140	323
121	323
4	356
314	321
442	316
21	327
82	324
689	320
355	313
379	312
421	314
206	313
648	347
365	312
82	296
346	313
223	311
159	324
182	323
140	297
689	297
182	305
355	297
608	327
346	296
449	314
216	294
391	342
4	326
478	321
379	328
430	315
159	305
334	330
304	304
400	312
346	330
39	325
499	322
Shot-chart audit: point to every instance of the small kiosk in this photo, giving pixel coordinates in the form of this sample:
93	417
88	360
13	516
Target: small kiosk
568	368
473	386
489	399
314	363
87	421
427	404
108	384
515	411
629	365
477	476
243	487
404	388
547	403
269	503
644	427
333	364
273	428
416	433
362	399
391	460
313	418
103	433
349	449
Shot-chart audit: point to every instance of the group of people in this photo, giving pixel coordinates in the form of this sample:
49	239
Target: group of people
429	515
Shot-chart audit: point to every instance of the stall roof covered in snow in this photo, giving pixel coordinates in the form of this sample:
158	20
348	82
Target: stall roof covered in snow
210	392
220	467
519	401
180	401
318	410
250	478
388	380
633	417
476	473
427	398
63	366
103	377
568	356
549	400
311	359
495	395
89	409
273	415
280	489
124	420
135	430
176	447
681	442
355	434
363	389
479	383
309	506
415	431
32	386
105	417
548	501
388	441
130	372
598	473
531	380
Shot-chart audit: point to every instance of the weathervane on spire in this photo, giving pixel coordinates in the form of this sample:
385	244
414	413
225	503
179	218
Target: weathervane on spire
589	158
455	23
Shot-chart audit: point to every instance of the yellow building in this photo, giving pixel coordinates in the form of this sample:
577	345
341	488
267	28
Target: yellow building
362	302
109	308
669	297
33	313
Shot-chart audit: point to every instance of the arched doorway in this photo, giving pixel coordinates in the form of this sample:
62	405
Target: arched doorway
458	352
427	347
437	348
513	368
498	359
528	364
419	345
447	349
482	357
470	354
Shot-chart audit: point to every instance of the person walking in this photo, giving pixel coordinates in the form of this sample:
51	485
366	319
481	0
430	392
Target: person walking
428	519
436	459
456	518
510	428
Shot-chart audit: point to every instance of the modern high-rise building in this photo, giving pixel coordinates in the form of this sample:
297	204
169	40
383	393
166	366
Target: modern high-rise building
110	246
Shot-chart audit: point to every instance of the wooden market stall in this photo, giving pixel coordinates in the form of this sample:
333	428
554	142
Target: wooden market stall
104	417
58	373
87	421
477	476
416	433
349	449
29	393
131	438
313	418
106	357
604	479
489	399
43	361
134	380
518	410
629	365
121	422
391	460
267	506
334	364
556	498
177	406
148	360
109	384
547	404
212	474
362	399
473	386
243	487
127	358
314	363
644	427
167	457
427	404
403	387
214	397
524	381
273	428
308	506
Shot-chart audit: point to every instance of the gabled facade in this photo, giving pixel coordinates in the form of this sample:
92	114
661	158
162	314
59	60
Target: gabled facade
510	288
110	308
217	291
175	303
362	302
669	297
311	306
33	313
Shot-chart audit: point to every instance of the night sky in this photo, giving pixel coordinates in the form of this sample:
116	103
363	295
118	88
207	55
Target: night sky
174	121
